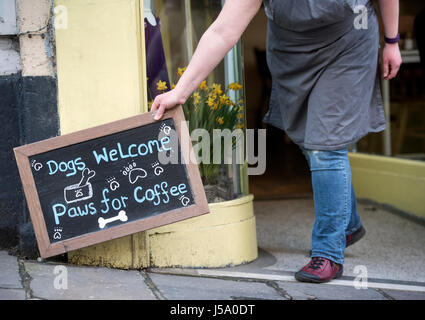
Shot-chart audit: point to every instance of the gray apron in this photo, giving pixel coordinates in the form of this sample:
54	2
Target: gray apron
326	87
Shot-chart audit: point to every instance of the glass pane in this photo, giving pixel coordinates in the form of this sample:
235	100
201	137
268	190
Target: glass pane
405	134
217	104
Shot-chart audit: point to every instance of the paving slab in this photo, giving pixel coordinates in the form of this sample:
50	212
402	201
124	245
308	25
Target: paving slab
85	283
9	275
393	247
174	287
12	294
405	295
312	291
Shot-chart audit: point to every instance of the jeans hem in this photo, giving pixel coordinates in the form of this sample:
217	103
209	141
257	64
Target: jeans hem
326	256
354	229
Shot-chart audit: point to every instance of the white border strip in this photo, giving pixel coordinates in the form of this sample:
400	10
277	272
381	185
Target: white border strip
275	277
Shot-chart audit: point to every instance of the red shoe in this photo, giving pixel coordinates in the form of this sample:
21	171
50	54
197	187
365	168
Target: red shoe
355	236
319	270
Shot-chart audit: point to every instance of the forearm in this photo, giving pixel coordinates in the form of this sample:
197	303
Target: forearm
210	51
219	38
390	14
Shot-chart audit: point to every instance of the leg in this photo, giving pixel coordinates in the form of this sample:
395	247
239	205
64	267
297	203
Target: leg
355	223
332	188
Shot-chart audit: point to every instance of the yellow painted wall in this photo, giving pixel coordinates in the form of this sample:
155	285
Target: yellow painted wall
397	182
226	236
100	64
101	78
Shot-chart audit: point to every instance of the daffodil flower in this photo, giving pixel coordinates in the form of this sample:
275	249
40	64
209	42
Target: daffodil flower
204	86
217	88
210	101
235	86
161	86
180	71
196	98
224	99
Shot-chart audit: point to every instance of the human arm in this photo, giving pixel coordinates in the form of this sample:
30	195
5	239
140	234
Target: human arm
391	53
217	40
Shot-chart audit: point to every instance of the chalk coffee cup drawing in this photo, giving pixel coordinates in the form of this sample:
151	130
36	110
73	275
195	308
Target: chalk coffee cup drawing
82	190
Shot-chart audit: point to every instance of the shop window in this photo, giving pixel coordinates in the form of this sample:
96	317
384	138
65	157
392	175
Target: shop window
173	29
404	96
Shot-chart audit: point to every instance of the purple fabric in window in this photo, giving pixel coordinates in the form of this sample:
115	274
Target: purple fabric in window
156	66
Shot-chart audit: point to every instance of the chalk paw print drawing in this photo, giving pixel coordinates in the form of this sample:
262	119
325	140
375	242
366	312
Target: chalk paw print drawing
36	165
82	190
134	173
113	183
165	128
157	169
57	235
184	200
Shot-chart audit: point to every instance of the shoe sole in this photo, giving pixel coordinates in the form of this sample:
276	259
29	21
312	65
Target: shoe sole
354	239
357	237
300	278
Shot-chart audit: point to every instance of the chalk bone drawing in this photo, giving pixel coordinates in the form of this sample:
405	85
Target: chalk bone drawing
82	190
122	216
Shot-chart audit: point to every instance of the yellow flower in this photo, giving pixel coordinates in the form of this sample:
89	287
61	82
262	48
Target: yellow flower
220	120
214	106
229	102
210	102
235	86
150	104
240	115
224	99
173	86
180	71
196	98
161	86
212	96
239	126
217	88
204	86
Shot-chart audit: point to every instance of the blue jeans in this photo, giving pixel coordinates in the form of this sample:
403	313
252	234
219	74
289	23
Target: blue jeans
334	202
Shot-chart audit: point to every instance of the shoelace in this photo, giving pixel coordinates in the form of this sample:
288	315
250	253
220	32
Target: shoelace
316	263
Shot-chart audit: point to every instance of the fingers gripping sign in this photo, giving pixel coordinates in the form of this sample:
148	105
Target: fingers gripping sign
166	101
157	109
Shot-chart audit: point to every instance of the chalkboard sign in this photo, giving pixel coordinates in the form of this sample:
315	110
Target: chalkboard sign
110	181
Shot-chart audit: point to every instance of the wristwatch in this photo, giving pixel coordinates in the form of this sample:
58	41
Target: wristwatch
392	40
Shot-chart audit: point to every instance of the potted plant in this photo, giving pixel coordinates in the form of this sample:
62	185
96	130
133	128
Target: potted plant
210	108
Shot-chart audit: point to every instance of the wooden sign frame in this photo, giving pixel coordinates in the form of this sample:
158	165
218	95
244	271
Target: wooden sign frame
48	249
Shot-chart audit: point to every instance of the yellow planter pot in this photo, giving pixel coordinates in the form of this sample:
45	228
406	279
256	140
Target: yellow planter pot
226	236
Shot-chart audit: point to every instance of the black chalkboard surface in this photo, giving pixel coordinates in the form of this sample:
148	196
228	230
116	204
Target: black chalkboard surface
108	181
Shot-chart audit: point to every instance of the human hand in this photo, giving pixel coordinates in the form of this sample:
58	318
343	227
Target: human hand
391	60
166	101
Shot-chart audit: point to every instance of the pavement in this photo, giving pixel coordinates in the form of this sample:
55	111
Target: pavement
387	264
